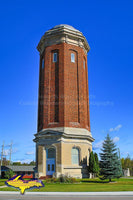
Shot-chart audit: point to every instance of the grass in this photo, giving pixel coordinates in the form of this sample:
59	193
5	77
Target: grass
2	182
85	185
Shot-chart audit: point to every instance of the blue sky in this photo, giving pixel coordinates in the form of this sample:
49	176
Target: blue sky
108	27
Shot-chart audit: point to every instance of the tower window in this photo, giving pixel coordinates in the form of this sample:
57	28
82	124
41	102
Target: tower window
84	64
75	156
54	57
42	63
72	57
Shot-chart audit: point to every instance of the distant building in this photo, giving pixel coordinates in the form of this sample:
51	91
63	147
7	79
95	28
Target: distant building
126	172
27	171
63	139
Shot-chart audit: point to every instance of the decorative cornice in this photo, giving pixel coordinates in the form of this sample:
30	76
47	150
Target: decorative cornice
65	132
63	34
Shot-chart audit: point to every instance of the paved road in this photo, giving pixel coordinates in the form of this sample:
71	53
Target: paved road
79	197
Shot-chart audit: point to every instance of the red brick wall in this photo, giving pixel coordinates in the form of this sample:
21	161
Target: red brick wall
54	88
63	89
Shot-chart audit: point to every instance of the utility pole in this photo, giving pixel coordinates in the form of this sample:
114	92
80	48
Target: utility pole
10	152
2	153
1	158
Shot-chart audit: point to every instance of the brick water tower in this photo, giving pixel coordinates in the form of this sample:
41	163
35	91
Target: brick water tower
63	140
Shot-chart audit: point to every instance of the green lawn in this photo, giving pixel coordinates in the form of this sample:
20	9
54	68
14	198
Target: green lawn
86	185
2	182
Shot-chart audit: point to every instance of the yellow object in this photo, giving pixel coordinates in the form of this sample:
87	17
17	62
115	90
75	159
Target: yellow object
18	182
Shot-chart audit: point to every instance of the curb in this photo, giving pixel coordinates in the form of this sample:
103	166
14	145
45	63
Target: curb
130	193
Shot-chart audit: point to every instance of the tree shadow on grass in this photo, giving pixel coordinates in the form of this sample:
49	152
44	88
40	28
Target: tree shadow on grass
95	181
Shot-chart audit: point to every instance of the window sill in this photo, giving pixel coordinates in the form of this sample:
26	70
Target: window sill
73	167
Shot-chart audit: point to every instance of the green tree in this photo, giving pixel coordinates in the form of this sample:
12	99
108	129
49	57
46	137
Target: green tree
97	163
32	163
110	166
92	164
127	163
5	162
122	163
24	164
120	172
17	163
9	174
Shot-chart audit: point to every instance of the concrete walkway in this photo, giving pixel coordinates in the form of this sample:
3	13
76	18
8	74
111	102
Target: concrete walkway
130	193
3	186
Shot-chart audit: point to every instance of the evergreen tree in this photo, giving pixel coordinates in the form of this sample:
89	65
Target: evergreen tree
120	172
92	163
110	162
97	163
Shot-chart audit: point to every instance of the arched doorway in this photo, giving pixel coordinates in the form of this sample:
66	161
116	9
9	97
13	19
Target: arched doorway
50	162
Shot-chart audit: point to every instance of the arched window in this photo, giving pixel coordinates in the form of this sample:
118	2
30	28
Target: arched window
55	57
51	153
75	155
73	57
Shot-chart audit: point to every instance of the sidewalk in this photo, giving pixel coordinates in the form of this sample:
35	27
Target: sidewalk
3	186
130	193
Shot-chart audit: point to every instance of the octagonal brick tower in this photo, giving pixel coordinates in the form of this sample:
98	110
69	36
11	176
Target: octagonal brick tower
63	140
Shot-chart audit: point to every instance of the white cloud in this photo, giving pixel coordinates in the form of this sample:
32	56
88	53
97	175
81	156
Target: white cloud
24	160
111	129
98	145
116	128
116	139
30	153
17	161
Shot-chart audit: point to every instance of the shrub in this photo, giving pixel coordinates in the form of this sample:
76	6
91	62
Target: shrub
9	174
62	179
66	179
51	180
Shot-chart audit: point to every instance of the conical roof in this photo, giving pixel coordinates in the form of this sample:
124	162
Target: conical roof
63	33
65	26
